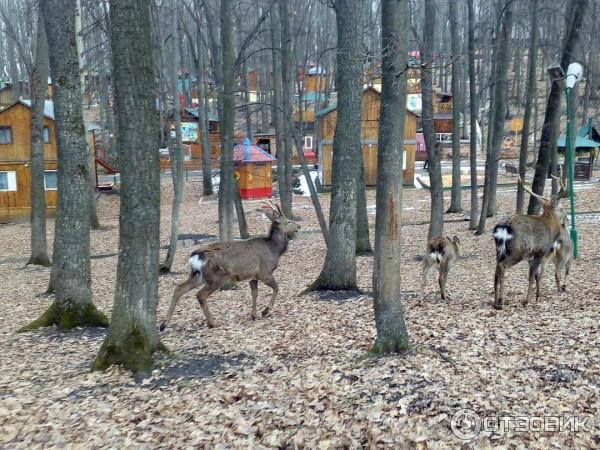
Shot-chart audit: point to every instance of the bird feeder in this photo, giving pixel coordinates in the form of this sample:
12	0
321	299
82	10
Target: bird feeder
253	170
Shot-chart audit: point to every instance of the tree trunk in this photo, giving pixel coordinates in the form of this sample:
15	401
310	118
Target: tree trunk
455	193
39	86
286	104
434	151
529	99
363	243
553	105
276	109
227	182
132	337
207	185
392	335
488	207
339	270
176	153
71	273
474	109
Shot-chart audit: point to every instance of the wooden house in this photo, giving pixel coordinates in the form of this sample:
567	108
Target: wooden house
15	170
371	102
8	95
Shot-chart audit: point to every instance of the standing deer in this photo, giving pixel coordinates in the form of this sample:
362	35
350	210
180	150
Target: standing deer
440	254
561	255
527	237
254	259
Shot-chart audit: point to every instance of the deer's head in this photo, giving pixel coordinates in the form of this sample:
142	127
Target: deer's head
278	219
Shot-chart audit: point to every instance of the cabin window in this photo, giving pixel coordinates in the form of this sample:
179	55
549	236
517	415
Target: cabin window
308	142
5	135
50	182
213	127
46	135
8	181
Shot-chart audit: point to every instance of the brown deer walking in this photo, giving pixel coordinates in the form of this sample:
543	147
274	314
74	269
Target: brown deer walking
561	255
440	254
525	237
254	259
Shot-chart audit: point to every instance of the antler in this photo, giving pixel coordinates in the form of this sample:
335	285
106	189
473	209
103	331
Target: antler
561	182
530	192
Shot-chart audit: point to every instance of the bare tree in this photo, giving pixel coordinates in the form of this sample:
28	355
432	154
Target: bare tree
71	273
132	337
392	335
473	109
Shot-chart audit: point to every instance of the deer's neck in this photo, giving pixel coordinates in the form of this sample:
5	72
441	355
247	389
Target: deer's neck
278	239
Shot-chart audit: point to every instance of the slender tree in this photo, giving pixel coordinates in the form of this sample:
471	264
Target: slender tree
455	194
339	270
530	97
434	151
392	335
71	272
207	185
38	85
285	178
473	109
132	337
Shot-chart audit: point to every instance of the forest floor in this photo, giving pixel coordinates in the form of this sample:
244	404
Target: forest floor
303	377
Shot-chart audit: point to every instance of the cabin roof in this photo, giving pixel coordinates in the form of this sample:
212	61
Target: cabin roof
580	143
48	107
584	131
212	117
248	152
313	97
333	106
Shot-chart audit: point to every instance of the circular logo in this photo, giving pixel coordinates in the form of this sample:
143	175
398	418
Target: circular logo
465	424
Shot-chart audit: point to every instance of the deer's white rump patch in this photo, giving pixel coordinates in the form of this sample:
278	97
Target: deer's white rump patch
501	235
197	263
436	256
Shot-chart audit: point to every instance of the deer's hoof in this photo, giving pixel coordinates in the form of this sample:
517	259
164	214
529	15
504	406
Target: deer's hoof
253	316
497	305
265	312
212	325
162	326
563	288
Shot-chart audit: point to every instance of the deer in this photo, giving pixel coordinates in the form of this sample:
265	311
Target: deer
254	259
440	254
561	255
527	237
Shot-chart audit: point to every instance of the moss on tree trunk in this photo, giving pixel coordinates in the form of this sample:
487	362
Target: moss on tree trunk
134	353
68	315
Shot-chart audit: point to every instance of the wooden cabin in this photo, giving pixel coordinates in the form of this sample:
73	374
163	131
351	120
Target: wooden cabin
371	102
253	168
8	95
15	170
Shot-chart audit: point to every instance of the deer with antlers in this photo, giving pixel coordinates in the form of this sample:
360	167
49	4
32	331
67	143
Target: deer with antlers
527	237
255	260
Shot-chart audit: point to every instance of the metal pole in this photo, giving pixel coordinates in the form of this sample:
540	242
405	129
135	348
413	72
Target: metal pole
570	167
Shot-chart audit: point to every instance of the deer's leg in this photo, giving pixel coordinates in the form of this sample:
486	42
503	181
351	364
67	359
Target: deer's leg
558	265
567	265
180	290
444	268
427	268
202	297
270	281
534	265
254	289
499	286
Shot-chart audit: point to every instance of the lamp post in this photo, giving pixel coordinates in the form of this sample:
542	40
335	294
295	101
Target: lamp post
574	73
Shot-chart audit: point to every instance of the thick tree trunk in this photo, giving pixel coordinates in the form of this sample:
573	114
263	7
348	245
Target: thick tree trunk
227	182
434	151
578	8
529	99
176	153
455	193
488	207
339	270
392	335
71	273
285	178
38	85
132	337
473	108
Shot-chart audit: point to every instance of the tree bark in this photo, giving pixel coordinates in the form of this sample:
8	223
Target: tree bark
203	141
132	337
578	8
339	270
176	153
276	109
474	109
285	178
227	182
363	243
71	272
455	193
434	153
38	85
530	97
392	335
